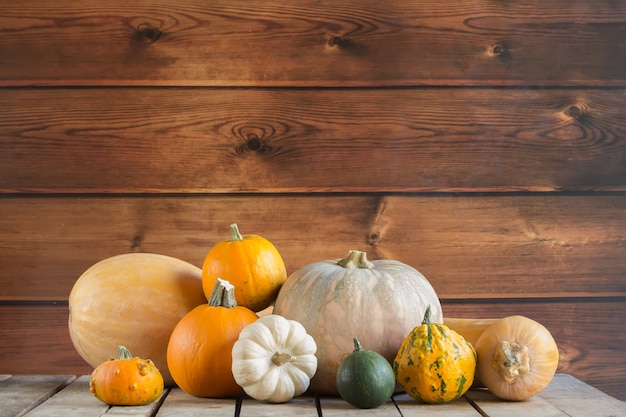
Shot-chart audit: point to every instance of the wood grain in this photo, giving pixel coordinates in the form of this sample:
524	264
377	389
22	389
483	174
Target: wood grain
339	140
313	43
469	247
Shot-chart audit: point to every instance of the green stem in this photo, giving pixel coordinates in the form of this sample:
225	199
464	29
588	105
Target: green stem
124	353
223	294
234	233
357	345
355	259
427	316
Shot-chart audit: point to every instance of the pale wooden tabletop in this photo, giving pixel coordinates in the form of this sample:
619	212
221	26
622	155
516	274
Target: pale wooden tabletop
69	396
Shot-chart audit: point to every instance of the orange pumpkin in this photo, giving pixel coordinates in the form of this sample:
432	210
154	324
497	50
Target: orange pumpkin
127	380
251	263
199	350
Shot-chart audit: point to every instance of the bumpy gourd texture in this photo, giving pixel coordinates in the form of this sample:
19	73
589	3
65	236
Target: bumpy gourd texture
435	364
126	381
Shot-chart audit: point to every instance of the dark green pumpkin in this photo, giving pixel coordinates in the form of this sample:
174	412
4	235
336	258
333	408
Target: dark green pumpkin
365	378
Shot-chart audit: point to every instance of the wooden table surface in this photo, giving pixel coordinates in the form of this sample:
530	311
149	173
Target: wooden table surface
69	396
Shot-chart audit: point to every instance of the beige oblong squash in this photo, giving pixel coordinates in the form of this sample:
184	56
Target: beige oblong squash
134	300
517	358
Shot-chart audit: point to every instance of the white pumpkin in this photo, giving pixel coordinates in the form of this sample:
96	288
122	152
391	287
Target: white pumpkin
380	301
274	359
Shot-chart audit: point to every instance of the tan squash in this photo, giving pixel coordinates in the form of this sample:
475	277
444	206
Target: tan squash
134	300
470	329
517	358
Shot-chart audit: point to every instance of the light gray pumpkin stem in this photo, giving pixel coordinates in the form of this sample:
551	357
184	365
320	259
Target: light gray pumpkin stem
235	235
355	259
223	294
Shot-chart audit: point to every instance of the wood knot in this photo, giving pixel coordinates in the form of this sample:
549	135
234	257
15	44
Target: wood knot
339	42
136	241
574	112
148	33
498	49
253	142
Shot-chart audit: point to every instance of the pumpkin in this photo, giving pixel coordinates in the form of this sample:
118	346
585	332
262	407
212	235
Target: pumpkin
434	363
127	380
199	349
380	300
134	300
365	378
251	263
517	358
274	359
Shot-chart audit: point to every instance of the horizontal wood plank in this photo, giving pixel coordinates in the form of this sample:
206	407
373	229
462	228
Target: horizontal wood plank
337	140
410	407
467	246
72	401
589	333
571	396
313	43
20	394
490	405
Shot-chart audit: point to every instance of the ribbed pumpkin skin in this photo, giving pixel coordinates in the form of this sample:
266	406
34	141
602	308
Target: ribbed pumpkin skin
435	364
381	304
199	352
251	263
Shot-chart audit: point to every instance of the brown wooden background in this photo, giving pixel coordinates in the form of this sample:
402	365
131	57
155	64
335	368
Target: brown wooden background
482	142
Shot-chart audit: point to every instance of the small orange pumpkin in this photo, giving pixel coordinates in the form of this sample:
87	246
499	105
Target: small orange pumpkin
251	263
199	350
127	380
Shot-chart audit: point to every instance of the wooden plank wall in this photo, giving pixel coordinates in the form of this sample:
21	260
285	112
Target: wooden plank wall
482	142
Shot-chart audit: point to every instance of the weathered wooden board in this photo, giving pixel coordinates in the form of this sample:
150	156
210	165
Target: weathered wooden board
313	43
181	404
76	400
337	407
303	406
290	140
493	406
19	394
409	407
467	246
571	397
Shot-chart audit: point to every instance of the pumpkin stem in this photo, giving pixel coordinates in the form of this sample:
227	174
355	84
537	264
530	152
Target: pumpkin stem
427	316
124	353
223	294
234	233
357	344
355	259
280	359
511	360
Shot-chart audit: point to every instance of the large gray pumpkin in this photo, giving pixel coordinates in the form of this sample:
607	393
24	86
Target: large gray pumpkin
379	302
